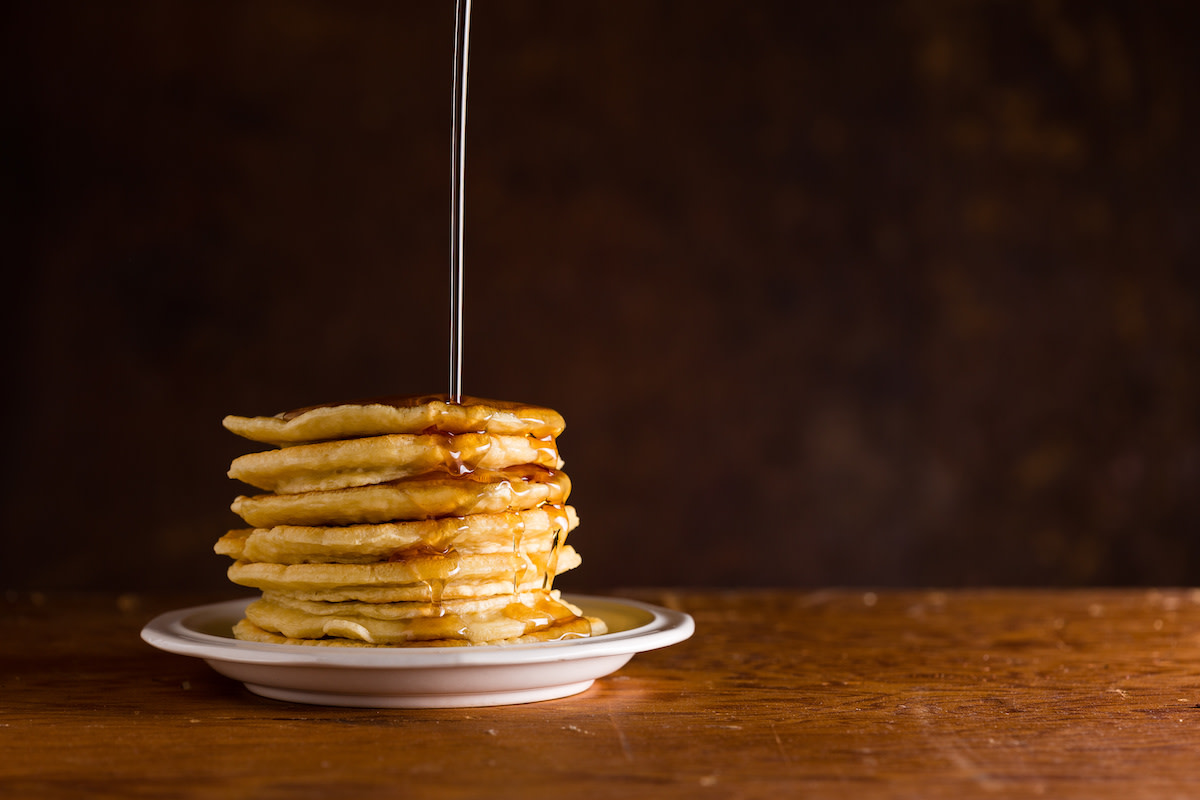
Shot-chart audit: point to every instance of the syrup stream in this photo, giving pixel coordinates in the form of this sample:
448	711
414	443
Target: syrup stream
462	35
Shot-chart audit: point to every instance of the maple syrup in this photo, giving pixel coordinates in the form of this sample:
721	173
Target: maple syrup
462	38
463	453
521	563
433	568
547	612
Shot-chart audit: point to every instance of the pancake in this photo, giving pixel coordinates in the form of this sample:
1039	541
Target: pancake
407	610
432	594
475	534
541	612
322	466
578	628
421	497
430	577
398	414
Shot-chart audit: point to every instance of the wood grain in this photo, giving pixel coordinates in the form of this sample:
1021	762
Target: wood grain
825	694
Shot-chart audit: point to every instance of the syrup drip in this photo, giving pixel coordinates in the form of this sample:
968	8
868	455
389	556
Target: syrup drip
462	36
433	567
464	452
521	563
546	612
561	526
547	450
543	613
436	560
552	561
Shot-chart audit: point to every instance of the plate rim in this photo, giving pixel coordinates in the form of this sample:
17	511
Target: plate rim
170	632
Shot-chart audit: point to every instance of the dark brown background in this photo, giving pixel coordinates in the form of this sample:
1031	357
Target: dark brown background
867	293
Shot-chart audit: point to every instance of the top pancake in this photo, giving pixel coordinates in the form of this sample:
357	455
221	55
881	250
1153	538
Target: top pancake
398	414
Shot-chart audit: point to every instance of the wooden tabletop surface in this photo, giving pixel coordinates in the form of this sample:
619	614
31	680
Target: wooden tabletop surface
1088	693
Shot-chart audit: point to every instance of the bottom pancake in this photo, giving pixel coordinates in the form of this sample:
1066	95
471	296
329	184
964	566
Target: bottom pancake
542	616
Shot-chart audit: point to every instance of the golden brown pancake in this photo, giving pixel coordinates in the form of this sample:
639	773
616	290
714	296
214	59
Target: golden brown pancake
359	462
398	414
426	577
579	628
422	497
533	528
421	593
411	609
539	612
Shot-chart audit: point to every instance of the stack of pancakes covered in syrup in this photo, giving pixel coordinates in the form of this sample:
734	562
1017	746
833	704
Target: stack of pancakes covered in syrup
404	522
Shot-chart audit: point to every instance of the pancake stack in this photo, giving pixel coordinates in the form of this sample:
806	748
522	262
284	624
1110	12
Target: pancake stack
407	521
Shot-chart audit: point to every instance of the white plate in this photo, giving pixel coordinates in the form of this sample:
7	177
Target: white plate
439	677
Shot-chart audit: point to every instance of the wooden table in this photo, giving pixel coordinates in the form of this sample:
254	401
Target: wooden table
817	694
